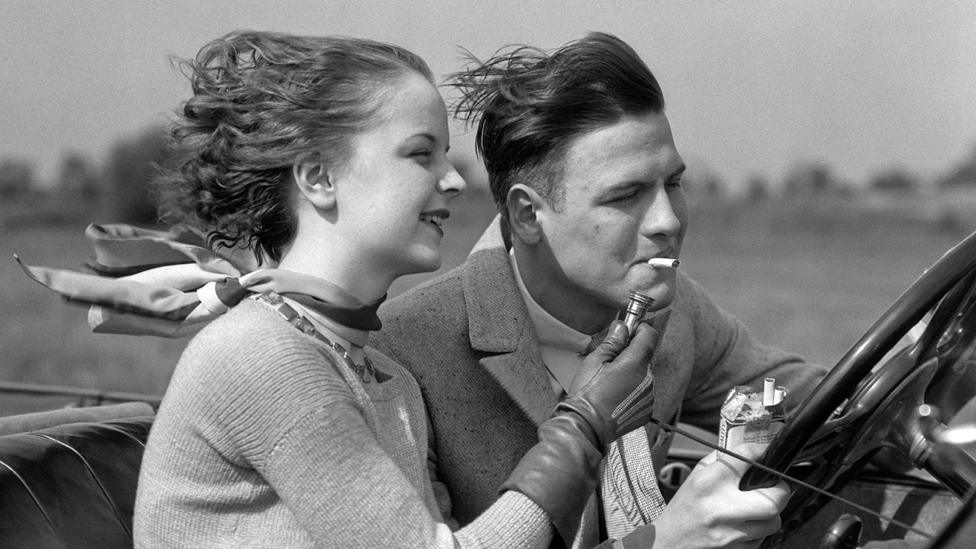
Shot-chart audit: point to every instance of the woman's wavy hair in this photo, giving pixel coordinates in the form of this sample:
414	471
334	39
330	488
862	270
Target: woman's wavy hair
260	102
530	104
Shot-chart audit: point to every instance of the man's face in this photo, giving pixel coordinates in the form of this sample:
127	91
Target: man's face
622	205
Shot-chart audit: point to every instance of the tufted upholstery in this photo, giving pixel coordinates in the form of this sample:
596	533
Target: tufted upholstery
71	485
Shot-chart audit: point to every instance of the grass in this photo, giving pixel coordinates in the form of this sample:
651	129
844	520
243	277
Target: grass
810	278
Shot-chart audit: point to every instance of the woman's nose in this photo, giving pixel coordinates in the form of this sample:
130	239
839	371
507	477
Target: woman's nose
451	183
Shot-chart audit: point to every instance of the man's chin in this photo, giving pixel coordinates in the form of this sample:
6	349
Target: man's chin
662	302
662	294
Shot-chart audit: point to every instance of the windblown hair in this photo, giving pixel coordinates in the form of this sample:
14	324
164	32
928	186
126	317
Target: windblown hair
260	102
533	103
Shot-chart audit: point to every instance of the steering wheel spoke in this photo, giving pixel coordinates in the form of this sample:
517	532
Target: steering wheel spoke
834	434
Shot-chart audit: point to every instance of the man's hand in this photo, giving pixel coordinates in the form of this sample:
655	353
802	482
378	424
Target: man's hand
709	510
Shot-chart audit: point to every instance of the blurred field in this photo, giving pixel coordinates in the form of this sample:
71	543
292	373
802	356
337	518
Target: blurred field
806	277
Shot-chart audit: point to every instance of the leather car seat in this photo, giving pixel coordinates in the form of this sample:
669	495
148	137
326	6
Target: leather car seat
71	485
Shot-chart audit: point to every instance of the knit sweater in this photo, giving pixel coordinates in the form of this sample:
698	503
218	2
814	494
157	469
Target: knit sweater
266	438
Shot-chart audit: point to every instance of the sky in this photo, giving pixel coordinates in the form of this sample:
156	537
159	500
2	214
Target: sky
751	87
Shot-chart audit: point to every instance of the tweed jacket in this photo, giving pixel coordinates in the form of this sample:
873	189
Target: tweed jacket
467	338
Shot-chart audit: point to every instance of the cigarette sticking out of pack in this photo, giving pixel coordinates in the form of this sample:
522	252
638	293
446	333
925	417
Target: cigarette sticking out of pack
769	391
663	262
752	416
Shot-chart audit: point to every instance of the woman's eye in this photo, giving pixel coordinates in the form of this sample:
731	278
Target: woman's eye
675	183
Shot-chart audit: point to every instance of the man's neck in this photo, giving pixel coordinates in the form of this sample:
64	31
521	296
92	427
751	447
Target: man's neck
578	314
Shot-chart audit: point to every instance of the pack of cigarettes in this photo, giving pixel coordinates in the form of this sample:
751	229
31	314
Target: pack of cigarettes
753	416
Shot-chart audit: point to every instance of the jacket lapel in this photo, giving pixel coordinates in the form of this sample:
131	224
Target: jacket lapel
499	327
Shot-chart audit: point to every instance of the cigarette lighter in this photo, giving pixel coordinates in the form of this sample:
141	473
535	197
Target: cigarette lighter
636	308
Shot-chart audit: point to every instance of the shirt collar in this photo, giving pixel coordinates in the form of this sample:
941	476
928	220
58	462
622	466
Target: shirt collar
550	330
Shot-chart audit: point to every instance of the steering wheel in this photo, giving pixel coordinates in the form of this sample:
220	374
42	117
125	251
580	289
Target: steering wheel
862	406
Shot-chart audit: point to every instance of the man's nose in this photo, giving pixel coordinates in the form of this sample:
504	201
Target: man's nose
660	218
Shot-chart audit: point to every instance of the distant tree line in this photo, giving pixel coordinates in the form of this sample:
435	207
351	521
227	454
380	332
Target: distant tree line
120	189
811	178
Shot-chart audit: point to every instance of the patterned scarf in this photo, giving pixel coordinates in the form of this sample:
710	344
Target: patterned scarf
167	283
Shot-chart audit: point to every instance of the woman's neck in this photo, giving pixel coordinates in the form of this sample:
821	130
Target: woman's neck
367	287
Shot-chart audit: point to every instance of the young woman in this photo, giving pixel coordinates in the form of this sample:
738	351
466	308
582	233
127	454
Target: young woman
281	427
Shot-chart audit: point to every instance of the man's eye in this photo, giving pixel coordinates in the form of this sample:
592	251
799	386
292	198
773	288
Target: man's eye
675	183
624	197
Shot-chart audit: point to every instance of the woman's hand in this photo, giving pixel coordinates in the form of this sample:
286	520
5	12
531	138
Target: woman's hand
614	390
560	472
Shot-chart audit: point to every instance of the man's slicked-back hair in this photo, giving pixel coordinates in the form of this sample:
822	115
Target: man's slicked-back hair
530	104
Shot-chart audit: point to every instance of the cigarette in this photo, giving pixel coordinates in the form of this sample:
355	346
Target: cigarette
779	395
663	262
769	392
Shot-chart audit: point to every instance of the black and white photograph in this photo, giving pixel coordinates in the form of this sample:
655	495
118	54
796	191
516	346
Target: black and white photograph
512	274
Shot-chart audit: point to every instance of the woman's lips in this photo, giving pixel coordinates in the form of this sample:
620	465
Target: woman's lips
436	218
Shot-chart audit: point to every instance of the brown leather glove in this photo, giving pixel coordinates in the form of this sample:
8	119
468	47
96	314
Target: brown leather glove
614	398
560	472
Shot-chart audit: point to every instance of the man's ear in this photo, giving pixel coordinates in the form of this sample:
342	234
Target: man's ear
312	179
524	205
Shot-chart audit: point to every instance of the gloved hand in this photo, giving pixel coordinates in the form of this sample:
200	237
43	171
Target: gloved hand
613	398
560	472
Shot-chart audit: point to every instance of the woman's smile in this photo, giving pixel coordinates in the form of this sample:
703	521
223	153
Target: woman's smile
436	219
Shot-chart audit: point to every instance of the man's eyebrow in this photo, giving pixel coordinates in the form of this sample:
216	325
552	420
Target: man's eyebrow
678	172
641	182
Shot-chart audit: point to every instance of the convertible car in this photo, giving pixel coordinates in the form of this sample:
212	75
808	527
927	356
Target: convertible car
881	454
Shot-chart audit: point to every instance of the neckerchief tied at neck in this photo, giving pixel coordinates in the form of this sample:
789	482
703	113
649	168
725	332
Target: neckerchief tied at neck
172	284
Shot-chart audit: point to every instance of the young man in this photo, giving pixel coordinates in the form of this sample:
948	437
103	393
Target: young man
587	179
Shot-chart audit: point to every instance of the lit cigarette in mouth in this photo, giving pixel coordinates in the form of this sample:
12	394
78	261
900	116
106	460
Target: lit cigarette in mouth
663	262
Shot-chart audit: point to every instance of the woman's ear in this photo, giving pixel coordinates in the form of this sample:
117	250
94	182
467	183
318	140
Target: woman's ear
524	204
312	178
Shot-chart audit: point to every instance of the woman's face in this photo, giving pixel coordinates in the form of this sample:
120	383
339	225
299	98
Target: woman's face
394	189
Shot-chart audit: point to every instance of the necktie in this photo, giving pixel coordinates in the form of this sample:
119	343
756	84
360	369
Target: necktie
628	483
628	487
